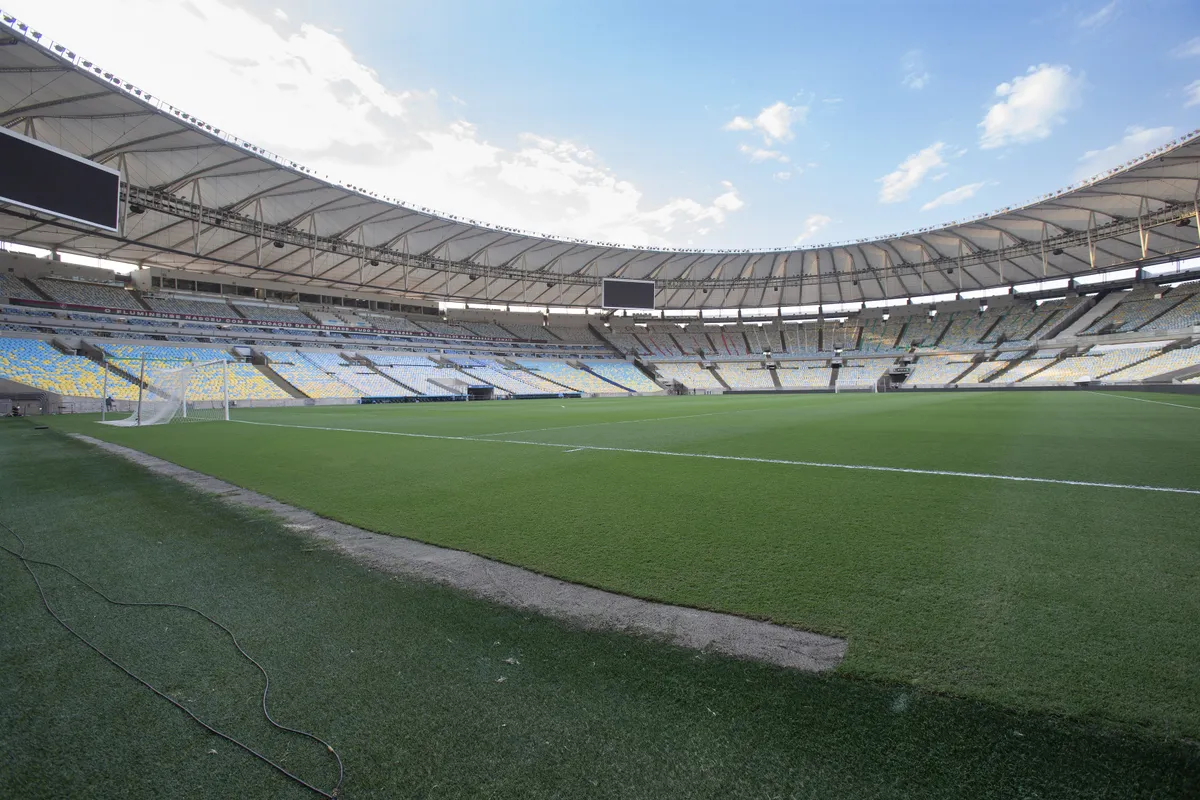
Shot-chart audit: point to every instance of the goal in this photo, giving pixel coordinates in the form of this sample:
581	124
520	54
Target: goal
169	391
856	386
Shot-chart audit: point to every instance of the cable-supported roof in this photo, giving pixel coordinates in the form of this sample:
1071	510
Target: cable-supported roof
201	199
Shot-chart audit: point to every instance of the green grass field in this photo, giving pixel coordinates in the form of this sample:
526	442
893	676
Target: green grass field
1050	597
413	683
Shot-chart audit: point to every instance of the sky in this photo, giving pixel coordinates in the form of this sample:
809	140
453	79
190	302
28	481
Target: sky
670	123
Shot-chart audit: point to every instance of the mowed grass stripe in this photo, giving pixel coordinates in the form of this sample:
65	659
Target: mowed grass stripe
1075	599
786	462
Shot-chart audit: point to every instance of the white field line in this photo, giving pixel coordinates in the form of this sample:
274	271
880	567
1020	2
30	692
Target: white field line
751	459
1142	400
618	422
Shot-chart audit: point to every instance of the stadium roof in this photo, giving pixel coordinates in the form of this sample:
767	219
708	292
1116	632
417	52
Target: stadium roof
201	199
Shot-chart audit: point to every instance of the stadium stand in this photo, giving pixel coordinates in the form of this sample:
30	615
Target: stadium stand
982	372
729	342
487	329
36	363
12	287
879	336
180	305
1181	317
746	376
1180	358
660	343
695	344
922	332
564	374
690	375
133	352
762	339
245	383
1096	363
272	313
308	376
399	324
450	329
1023	369
1137	308
804	376
623	373
801	339
938	370
860	373
627	343
966	328
535	333
82	293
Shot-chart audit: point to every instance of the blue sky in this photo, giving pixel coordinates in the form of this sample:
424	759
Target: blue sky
674	123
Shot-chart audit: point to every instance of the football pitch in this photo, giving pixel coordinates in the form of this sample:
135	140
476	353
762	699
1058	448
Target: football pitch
1075	595
984	554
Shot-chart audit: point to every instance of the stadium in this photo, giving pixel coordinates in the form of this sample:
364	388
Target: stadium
909	516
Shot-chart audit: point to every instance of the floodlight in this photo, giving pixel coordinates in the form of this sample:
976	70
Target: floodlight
983	306
932	312
886	316
1057	251
277	243
374	262
134	208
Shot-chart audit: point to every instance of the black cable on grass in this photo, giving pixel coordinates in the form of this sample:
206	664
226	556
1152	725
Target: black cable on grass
26	561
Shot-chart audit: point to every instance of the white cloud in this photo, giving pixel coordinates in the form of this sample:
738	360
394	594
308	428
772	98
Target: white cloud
1188	49
1193	94
782	176
954	196
813	225
1031	105
897	185
299	90
915	75
774	122
761	154
1137	141
1100	16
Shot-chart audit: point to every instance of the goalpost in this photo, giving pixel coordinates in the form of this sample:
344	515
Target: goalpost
171	392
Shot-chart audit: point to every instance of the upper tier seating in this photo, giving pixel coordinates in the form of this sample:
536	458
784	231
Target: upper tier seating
1159	365
451	329
35	363
397	359
966	328
746	376
627	343
938	370
487	329
694	344
536	333
804	375
729	342
922	331
624	373
836	335
762	339
273	313
573	335
180	305
660	343
879	336
799	339
12	286
1182	316
689	374
399	324
81	293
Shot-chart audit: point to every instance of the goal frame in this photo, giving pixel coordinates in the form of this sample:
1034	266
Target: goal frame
137	420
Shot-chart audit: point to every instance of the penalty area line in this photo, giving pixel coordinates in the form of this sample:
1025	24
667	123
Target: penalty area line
748	459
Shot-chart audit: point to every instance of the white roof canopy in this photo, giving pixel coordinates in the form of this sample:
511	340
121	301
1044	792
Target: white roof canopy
203	200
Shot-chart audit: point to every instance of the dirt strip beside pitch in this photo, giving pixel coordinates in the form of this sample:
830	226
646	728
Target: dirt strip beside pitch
588	608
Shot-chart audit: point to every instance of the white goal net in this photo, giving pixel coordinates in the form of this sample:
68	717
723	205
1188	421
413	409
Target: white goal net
175	392
856	386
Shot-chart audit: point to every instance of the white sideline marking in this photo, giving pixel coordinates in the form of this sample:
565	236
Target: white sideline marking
1142	400
617	422
819	464
576	450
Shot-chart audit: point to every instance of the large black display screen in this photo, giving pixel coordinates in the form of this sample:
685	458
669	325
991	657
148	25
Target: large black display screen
627	294
44	178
